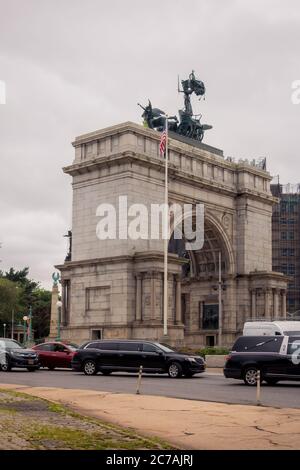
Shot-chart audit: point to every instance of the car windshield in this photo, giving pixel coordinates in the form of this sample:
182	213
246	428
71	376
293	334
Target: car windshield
291	333
9	344
165	347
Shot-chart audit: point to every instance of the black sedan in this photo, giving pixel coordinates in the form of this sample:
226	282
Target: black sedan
12	354
108	356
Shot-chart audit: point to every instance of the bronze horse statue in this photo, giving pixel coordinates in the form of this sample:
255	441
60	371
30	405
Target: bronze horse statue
155	118
189	125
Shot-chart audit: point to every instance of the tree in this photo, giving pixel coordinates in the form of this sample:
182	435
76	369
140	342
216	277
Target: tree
28	293
41	312
9	297
28	286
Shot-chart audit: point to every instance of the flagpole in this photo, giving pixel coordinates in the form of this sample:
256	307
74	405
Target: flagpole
166	241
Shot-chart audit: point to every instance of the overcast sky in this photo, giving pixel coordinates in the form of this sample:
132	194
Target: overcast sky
74	66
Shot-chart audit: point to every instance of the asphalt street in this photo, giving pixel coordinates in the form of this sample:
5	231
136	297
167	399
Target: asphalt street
207	386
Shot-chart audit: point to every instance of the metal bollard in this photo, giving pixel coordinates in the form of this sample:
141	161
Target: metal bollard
139	380
258	389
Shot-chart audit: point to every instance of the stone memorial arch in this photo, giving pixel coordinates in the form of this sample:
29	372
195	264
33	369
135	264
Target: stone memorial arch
113	288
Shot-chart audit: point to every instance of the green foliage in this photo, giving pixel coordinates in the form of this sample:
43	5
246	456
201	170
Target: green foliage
18	293
209	350
212	350
8	299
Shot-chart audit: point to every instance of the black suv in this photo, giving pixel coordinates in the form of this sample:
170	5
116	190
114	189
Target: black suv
109	356
276	357
12	354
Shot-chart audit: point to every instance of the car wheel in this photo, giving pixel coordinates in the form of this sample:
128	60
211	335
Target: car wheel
90	368
31	369
106	372
271	381
5	367
175	370
250	376
51	367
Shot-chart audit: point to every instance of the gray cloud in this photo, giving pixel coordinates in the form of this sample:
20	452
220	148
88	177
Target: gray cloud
72	67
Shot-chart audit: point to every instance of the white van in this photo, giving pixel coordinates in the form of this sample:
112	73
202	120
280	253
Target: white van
271	328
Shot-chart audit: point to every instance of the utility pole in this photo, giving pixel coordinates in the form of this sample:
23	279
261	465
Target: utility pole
30	324
12	323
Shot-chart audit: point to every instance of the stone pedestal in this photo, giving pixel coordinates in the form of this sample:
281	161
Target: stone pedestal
53	317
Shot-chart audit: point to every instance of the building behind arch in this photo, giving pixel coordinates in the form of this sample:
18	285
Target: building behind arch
114	288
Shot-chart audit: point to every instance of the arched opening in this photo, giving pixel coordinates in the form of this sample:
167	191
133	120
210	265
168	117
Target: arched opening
204	263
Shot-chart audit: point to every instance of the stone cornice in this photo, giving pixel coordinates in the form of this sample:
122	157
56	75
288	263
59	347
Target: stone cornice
174	172
200	151
137	257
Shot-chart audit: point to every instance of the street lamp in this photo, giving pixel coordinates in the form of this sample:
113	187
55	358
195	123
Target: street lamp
25	319
4	329
58	305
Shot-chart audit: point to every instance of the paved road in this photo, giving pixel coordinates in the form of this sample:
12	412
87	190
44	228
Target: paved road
207	386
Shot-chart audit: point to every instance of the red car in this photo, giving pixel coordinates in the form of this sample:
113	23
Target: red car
55	354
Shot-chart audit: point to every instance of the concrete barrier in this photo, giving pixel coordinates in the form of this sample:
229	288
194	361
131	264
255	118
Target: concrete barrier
215	360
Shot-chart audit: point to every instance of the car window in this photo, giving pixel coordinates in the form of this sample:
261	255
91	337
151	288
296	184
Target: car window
46	347
149	348
258	344
71	348
9	344
165	347
130	346
93	346
59	348
110	346
294	347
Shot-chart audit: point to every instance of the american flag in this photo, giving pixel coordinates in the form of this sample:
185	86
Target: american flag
163	143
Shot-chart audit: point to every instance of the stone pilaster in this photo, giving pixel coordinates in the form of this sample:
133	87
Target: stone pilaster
283	304
253	304
53	315
276	304
267	303
178	316
138	300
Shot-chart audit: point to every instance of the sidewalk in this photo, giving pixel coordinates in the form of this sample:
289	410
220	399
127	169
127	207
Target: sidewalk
186	424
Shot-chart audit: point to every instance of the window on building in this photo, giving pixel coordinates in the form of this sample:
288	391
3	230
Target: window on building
210	319
284	268
96	334
283	235
210	340
291	235
291	269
